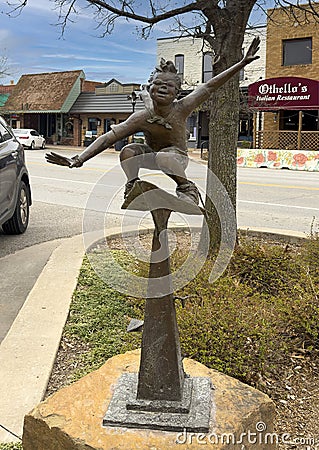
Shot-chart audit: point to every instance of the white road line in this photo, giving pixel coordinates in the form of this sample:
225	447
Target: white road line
116	186
278	204
74	181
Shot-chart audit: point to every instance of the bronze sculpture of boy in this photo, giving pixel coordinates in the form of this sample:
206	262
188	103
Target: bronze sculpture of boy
163	122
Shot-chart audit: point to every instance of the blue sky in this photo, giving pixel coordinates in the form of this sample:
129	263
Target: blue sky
33	44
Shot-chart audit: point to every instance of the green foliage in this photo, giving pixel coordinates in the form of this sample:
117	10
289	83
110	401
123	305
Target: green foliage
99	316
263	308
11	446
244	144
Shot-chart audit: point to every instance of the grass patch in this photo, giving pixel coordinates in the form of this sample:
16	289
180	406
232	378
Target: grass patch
99	317
11	446
263	308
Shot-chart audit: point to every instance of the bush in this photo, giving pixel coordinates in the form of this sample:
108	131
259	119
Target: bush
11	446
263	308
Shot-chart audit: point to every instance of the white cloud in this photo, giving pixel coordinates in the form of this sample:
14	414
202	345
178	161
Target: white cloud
85	58
42	5
32	45
134	49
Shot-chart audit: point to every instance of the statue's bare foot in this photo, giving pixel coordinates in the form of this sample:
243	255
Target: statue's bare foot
188	192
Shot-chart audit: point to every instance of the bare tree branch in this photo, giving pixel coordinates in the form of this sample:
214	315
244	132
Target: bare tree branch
4	68
213	11
65	17
150	20
16	8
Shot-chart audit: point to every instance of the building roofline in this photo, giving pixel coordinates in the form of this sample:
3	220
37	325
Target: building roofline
80	71
192	37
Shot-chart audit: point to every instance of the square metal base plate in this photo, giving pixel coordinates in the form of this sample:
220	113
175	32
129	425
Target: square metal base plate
192	413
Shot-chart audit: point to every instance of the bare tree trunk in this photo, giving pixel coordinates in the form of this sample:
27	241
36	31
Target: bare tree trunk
221	185
229	26
222	159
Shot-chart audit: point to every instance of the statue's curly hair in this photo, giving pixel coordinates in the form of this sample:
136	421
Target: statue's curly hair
168	67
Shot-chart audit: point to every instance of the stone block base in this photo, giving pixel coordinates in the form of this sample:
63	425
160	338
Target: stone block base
241	417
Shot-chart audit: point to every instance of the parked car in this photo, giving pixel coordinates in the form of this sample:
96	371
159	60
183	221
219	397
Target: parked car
29	138
15	191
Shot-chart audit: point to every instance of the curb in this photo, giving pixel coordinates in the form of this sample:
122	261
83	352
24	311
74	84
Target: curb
288	236
30	347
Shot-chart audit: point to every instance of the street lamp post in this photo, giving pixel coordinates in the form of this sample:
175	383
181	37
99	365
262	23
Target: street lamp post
133	98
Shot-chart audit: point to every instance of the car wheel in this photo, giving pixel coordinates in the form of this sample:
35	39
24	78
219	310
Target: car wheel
43	144
32	146
20	219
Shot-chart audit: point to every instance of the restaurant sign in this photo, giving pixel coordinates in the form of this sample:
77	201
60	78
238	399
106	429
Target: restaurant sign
284	93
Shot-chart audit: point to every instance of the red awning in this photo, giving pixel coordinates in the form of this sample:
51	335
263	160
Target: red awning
273	94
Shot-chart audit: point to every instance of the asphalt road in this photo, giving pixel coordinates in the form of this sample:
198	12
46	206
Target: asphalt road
66	202
280	199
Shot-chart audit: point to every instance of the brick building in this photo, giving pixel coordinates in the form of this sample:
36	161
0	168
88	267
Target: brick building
287	100
96	110
65	107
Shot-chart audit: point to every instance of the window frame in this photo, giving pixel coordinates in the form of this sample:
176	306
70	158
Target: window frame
285	56
210	72
180	73
114	87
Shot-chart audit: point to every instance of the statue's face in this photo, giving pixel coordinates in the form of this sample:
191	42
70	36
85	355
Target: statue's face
163	89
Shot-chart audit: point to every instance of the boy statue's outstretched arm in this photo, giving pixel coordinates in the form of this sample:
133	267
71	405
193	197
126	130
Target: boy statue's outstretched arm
217	81
203	92
103	142
100	144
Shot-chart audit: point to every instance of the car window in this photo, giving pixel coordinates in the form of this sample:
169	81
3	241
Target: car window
34	133
5	134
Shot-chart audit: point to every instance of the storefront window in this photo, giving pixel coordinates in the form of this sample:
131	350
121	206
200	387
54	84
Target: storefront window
192	126
179	64
297	51
92	125
310	121
68	129
207	66
289	120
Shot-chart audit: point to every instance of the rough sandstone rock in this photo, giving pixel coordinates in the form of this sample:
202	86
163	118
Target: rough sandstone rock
71	419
